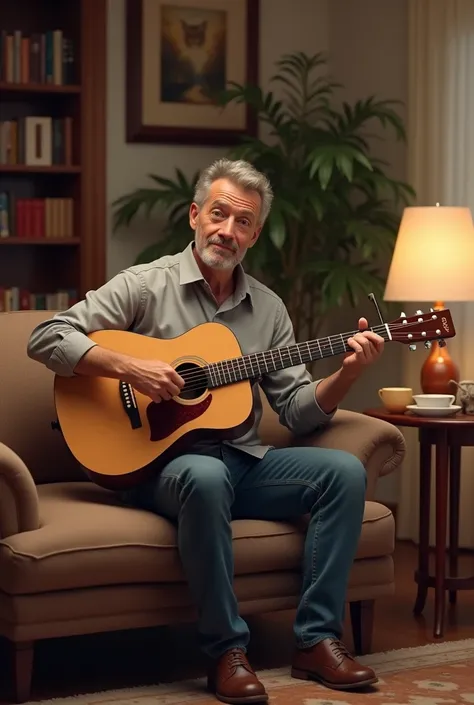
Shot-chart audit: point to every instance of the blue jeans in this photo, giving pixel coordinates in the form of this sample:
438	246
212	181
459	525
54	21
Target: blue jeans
203	493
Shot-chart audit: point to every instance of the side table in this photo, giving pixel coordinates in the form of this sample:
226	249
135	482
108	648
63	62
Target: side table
448	435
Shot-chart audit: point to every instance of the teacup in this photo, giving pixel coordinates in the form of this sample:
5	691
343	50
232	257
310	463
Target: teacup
434	401
396	399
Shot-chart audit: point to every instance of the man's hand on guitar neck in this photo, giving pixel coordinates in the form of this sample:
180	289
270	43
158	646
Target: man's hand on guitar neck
367	346
154	378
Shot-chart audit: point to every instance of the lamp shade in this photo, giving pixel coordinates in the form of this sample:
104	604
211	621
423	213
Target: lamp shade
433	259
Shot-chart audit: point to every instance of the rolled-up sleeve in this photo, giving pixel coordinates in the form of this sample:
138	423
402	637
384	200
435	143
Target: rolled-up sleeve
60	342
292	392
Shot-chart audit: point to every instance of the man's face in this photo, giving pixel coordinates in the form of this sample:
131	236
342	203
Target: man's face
226	225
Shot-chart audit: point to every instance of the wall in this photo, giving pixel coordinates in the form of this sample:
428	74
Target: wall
367	44
368	49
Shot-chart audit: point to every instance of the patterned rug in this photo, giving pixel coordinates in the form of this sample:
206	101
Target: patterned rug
437	674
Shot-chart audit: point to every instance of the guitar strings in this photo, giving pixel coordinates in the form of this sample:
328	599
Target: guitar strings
202	372
337	343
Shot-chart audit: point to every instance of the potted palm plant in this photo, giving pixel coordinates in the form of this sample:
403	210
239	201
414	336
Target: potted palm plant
336	210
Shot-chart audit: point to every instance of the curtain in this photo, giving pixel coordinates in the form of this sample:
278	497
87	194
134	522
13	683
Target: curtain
440	126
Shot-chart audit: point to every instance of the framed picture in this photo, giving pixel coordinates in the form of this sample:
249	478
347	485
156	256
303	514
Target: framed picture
179	54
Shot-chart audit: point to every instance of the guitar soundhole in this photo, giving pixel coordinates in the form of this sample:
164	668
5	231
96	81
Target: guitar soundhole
195	380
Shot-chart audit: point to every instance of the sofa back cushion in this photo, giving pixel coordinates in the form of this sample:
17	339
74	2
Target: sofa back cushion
27	403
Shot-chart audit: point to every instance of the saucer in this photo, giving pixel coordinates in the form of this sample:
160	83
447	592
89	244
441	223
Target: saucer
434	411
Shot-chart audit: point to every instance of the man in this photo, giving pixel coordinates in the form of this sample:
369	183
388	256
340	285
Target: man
212	483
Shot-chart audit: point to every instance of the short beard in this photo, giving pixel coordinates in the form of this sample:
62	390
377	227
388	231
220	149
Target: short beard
214	260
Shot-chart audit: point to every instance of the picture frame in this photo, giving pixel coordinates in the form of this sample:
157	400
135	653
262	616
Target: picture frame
176	51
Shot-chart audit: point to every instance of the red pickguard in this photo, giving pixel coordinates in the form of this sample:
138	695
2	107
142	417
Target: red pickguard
167	416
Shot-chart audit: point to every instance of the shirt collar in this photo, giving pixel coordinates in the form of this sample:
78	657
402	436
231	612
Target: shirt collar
189	273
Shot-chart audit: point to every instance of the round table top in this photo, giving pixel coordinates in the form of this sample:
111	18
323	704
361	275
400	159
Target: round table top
410	419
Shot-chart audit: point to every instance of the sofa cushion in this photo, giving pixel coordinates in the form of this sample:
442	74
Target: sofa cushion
88	538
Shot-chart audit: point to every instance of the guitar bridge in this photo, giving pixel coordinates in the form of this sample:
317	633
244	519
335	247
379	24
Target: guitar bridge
129	403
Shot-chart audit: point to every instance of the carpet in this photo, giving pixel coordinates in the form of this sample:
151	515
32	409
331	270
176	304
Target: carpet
436	674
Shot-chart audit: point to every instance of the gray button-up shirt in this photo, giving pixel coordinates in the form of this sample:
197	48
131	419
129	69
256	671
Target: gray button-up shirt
166	298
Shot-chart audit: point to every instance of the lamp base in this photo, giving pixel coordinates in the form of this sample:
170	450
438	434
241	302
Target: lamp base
437	372
439	369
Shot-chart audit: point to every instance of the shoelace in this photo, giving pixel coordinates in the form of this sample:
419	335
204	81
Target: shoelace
340	650
237	658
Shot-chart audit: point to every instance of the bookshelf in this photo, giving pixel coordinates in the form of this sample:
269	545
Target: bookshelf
52	151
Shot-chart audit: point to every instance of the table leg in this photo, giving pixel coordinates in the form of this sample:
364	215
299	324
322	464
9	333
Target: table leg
454	497
424	524
442	474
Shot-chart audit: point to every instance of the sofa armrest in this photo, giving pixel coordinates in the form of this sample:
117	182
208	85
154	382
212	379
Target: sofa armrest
379	445
18	495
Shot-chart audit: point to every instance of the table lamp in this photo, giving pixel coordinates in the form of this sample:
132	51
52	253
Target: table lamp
433	261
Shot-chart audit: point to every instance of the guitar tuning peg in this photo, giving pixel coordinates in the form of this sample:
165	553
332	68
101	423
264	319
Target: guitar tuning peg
442	343
427	344
412	347
419	312
403	314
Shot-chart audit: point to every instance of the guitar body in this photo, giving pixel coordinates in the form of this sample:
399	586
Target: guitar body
120	436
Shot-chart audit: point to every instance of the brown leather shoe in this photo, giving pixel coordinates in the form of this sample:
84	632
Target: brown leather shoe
232	680
330	663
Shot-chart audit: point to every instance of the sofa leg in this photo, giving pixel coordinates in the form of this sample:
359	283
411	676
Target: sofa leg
362	620
23	652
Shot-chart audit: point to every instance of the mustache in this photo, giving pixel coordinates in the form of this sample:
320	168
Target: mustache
226	242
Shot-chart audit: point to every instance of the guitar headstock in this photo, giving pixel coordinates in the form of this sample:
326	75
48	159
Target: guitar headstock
423	327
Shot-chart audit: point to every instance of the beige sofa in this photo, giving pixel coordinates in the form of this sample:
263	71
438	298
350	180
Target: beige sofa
73	561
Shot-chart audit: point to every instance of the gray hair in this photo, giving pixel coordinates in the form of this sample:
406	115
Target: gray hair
242	174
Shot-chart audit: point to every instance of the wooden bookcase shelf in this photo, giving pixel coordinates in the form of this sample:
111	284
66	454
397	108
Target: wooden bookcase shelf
22	241
29	169
52	151
36	88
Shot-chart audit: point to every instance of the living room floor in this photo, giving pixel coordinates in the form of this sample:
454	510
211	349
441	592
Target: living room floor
66	667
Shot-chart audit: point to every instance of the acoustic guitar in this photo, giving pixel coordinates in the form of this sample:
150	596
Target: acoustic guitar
119	435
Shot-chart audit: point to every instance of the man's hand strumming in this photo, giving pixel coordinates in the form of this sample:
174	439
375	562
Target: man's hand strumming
155	379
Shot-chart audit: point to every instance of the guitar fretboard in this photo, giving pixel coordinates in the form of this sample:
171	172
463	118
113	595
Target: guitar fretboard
256	364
